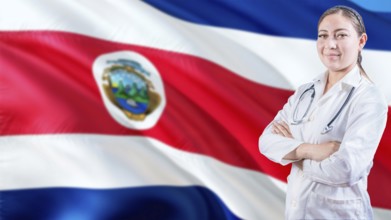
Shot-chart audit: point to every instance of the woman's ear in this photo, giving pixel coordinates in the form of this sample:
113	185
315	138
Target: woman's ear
363	40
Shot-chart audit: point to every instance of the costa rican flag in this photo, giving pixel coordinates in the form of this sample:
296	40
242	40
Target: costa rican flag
153	109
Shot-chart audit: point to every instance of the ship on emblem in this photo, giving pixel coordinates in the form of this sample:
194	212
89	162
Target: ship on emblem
127	86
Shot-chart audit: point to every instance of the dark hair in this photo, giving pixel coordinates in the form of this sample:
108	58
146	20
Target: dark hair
356	20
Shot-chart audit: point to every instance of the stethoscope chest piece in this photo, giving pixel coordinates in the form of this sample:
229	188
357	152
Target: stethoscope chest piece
327	129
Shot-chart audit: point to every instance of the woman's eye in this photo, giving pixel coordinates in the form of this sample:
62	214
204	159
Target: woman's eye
322	36
341	35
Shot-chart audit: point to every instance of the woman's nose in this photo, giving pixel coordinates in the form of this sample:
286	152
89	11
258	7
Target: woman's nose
331	43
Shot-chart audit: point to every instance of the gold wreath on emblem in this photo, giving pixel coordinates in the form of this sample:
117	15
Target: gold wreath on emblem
128	89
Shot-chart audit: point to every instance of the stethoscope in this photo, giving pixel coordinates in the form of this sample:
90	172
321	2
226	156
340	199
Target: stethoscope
329	126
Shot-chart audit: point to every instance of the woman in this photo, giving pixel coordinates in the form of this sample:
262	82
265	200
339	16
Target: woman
330	128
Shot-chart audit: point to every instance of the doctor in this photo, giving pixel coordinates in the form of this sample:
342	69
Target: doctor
330	128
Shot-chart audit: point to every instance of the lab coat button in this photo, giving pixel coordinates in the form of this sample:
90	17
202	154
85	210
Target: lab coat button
293	203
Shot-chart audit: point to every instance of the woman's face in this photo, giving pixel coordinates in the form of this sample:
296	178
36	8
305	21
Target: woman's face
338	43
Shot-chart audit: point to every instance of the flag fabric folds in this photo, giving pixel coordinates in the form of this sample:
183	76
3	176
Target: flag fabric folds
153	109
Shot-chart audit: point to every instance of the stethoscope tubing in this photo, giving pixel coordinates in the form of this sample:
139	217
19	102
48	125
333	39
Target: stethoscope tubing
329	125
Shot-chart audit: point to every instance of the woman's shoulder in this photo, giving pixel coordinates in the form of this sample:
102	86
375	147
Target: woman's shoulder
305	86
370	92
318	79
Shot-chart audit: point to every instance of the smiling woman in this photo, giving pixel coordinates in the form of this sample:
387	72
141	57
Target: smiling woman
340	44
330	128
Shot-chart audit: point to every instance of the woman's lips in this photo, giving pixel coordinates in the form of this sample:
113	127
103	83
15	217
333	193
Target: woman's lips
332	56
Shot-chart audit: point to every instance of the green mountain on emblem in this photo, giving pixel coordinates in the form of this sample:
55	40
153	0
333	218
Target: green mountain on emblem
132	92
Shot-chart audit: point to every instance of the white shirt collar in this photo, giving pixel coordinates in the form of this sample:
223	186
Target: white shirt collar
351	79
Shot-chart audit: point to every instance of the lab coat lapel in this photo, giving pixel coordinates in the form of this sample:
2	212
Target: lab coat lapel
342	87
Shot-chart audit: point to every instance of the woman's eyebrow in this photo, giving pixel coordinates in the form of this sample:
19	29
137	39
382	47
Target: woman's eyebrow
336	30
341	29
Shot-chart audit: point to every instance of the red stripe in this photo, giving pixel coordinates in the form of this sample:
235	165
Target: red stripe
47	87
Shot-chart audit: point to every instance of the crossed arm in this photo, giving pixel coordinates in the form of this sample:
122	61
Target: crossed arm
332	162
317	152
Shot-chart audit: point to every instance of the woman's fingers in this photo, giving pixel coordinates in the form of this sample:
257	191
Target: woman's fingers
286	126
282	129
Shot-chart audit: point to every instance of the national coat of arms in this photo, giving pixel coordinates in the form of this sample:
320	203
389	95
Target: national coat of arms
131	88
127	86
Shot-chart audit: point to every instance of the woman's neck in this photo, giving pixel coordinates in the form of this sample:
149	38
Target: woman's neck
334	76
332	79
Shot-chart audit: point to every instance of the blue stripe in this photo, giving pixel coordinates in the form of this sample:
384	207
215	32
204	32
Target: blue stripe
278	17
126	203
378	5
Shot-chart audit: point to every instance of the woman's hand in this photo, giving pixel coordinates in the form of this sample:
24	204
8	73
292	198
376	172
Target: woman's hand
281	128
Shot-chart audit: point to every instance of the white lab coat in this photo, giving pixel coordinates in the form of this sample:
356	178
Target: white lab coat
335	188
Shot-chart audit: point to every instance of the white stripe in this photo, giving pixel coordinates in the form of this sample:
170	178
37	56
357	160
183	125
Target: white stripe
382	214
103	161
297	59
97	161
275	61
135	22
